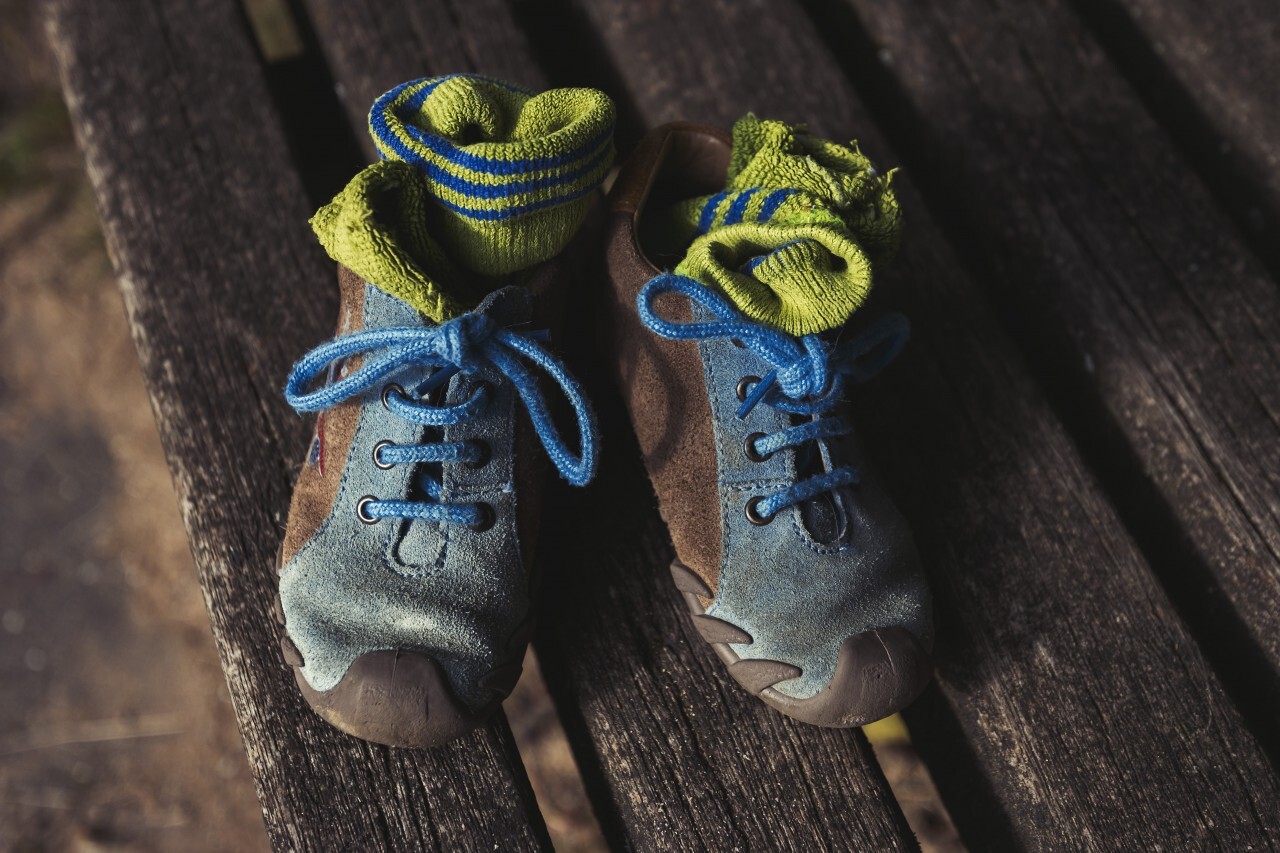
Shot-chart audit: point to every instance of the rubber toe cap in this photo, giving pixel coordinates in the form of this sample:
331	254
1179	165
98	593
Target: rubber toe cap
397	698
878	673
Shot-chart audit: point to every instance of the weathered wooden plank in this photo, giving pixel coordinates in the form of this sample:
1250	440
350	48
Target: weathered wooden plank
224	285
675	755
1210	72
1088	715
372	50
1145	313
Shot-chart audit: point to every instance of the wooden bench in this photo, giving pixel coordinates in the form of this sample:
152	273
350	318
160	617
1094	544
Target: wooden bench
1085	432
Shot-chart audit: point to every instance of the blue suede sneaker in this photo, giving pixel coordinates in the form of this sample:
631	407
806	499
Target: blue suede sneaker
737	368
407	570
406	577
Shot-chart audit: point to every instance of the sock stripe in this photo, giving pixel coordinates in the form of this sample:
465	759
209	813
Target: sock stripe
709	211
772	202
489	188
392	112
453	155
739	206
473	189
500	213
391	142
425	227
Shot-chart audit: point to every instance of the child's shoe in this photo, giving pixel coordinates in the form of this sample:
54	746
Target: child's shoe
405	569
797	568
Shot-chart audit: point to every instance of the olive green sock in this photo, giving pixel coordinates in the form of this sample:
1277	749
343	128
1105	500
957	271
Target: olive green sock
377	227
794	237
481	179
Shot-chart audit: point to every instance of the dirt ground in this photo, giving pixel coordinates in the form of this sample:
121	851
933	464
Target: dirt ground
116	730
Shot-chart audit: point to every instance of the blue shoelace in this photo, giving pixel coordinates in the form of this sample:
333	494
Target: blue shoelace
807	378
469	344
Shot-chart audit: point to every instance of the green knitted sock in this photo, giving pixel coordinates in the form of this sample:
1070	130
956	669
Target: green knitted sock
377	227
793	238
494	178
800	278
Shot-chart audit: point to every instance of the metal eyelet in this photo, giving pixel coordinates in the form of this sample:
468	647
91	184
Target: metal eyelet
749	448
485	455
744	387
360	513
377	460
386	392
753	514
487	518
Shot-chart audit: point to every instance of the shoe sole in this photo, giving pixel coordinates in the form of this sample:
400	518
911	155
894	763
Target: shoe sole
398	697
878	672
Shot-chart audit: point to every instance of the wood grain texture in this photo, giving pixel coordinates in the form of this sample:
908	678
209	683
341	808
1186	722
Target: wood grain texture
372	50
676	756
1073	708
1227	55
1211	73
1128	286
225	287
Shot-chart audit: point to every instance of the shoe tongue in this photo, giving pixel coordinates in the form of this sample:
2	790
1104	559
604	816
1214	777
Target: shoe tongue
824	518
508	306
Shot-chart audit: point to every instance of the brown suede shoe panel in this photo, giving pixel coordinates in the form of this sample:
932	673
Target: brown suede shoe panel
317	486
662	381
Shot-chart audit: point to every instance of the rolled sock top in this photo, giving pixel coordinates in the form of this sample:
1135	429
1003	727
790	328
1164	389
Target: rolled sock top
794	237
491	150
496	179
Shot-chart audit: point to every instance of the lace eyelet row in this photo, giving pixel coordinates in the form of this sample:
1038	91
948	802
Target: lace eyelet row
745	384
487	515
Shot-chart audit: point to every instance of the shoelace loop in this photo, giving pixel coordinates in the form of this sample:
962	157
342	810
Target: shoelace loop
807	376
467	345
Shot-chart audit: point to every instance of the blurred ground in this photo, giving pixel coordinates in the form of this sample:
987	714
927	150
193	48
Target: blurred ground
115	726
116	731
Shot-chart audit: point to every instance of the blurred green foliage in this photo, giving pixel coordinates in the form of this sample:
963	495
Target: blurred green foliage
24	134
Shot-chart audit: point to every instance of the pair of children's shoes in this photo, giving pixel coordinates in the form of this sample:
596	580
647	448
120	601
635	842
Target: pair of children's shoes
407	564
